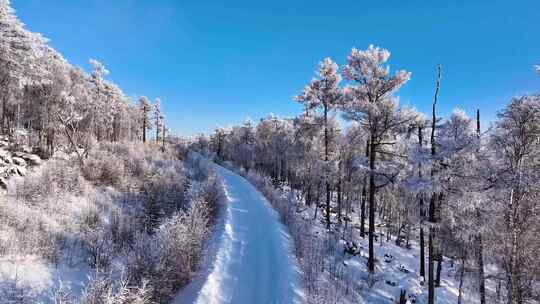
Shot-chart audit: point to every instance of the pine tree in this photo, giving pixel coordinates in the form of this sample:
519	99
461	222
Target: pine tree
145	108
369	102
158	118
324	93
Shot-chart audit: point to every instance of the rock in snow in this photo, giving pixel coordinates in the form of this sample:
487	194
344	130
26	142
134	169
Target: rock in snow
33	159
19	161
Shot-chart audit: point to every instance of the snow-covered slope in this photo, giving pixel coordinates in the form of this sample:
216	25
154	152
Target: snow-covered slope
251	260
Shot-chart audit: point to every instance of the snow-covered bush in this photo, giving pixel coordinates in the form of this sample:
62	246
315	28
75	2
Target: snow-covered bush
103	290
96	218
98	244
61	295
169	258
182	238
53	178
143	257
104	168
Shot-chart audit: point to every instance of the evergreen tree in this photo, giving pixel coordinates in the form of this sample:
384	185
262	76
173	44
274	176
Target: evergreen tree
158	118
324	94
145	108
370	103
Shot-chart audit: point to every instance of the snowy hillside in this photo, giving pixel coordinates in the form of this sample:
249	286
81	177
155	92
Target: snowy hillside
129	226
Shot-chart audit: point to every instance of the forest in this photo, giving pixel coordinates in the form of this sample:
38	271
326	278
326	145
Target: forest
91	209
461	190
101	203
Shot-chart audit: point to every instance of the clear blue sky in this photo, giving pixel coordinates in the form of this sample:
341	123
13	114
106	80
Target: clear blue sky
217	62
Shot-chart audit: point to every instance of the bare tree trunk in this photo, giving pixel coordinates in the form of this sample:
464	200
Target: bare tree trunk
461	276
422	214
4	109
479	244
144	129
431	281
308	195
157	129
372	159
432	203
326	164
439	268
163	138
339	193
364	197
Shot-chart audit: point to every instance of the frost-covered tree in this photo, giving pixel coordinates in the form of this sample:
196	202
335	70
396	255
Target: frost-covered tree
242	144
72	109
273	145
324	94
158	118
218	141
20	51
145	108
97	79
369	101
164	132
516	171
465	182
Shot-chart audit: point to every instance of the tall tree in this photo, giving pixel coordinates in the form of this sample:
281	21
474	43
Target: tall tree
218	141
478	237
432	210
370	102
516	192
164	133
145	108
323	93
420	124
158	117
97	79
21	55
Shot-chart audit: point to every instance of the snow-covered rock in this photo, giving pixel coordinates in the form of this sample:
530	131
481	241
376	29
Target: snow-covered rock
15	164
3	183
4	154
21	171
33	159
19	161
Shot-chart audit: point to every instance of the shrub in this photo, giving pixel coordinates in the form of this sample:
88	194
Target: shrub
102	290
56	177
98	244
104	168
169	257
97	211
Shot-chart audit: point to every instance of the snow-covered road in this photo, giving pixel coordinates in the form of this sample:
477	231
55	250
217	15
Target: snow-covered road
250	259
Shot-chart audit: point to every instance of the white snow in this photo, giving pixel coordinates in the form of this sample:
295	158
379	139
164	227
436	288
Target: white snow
39	278
250	260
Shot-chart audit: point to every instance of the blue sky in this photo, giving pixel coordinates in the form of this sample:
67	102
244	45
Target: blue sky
217	62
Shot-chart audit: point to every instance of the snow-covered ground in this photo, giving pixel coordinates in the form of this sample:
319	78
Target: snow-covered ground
250	259
334	276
